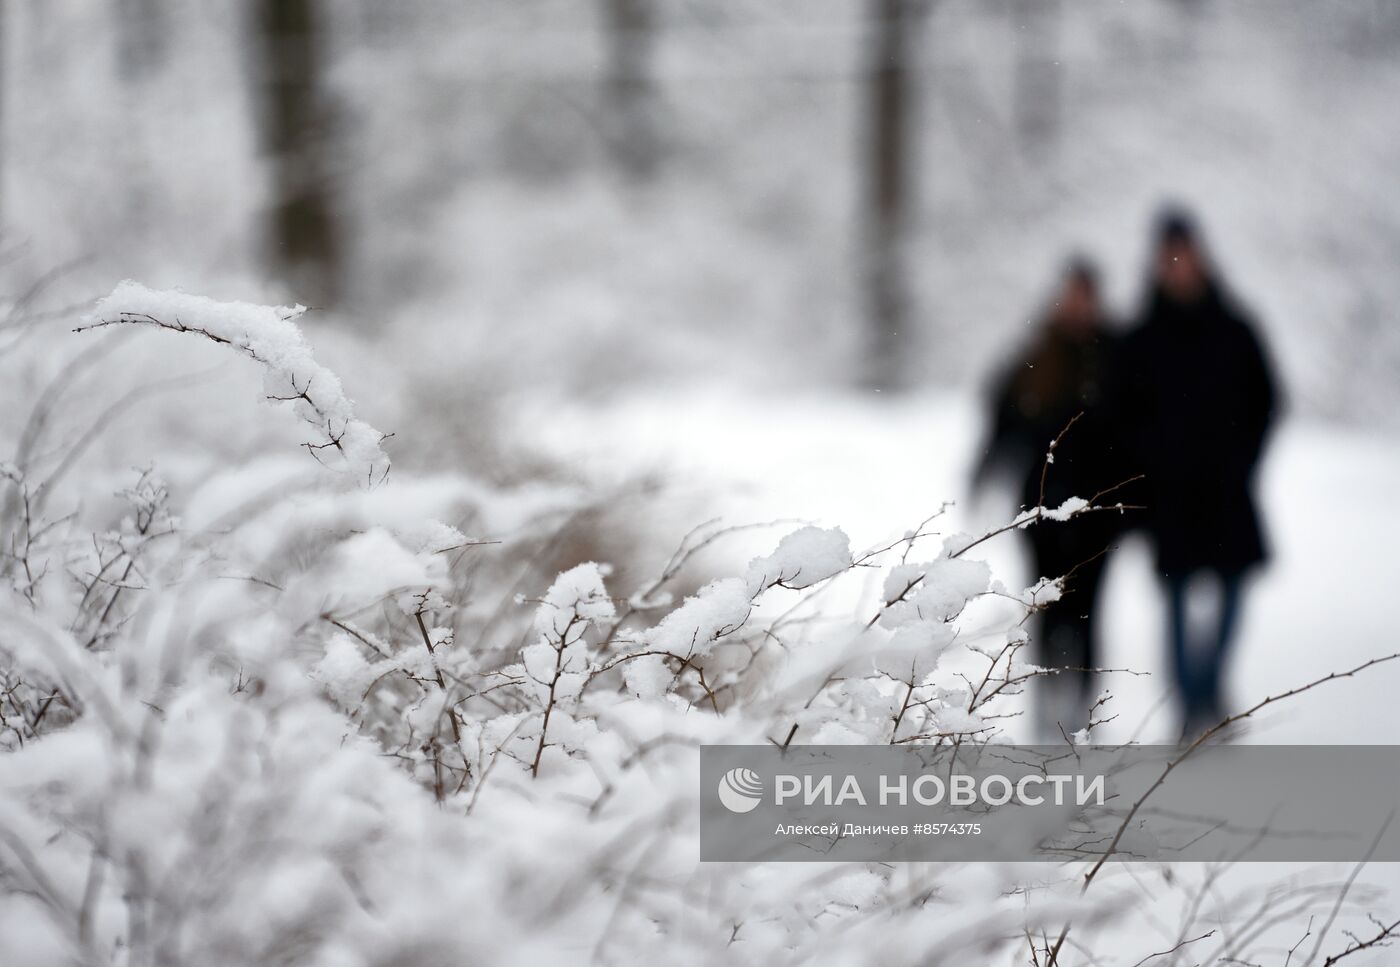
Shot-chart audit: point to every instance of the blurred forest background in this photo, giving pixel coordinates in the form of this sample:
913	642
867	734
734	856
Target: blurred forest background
579	196
758	257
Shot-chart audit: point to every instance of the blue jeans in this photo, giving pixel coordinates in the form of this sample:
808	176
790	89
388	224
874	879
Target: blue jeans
1198	655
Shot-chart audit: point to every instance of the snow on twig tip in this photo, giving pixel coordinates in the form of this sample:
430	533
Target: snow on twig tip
269	335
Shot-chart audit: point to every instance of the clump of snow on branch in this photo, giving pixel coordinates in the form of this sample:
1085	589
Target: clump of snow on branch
718	609
1072	507
269	335
921	602
803	558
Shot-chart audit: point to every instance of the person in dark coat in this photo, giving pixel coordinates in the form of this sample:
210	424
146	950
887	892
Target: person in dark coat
1196	398
1059	379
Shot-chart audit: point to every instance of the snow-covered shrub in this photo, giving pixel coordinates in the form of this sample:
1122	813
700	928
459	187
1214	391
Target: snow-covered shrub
286	731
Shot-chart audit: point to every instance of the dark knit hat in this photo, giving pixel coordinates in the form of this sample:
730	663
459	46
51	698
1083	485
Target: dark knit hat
1176	225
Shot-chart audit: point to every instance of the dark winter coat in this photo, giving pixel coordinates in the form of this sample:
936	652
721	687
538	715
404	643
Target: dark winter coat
1058	377
1195	397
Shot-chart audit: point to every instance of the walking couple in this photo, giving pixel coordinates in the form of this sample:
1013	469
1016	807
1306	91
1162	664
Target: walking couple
1183	397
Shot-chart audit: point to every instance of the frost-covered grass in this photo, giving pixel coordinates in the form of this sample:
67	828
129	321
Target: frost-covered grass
304	717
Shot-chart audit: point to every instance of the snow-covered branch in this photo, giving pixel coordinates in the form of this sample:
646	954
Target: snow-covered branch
269	335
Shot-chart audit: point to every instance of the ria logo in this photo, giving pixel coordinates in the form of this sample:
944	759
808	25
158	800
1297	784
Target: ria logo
740	790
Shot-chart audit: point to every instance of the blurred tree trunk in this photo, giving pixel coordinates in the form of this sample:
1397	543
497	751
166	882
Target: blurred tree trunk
889	185
143	35
630	95
304	246
1036	81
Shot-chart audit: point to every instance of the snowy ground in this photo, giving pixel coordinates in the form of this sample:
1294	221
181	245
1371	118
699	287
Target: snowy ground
878	467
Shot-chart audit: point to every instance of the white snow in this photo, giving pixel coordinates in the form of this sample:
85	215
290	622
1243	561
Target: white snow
578	592
803	558
702	619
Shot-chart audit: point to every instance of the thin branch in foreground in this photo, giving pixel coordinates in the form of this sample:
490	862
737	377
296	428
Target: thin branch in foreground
1346	887
1387	932
1187	752
1172	950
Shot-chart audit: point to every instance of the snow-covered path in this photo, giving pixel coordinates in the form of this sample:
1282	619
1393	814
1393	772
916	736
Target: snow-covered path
877	467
